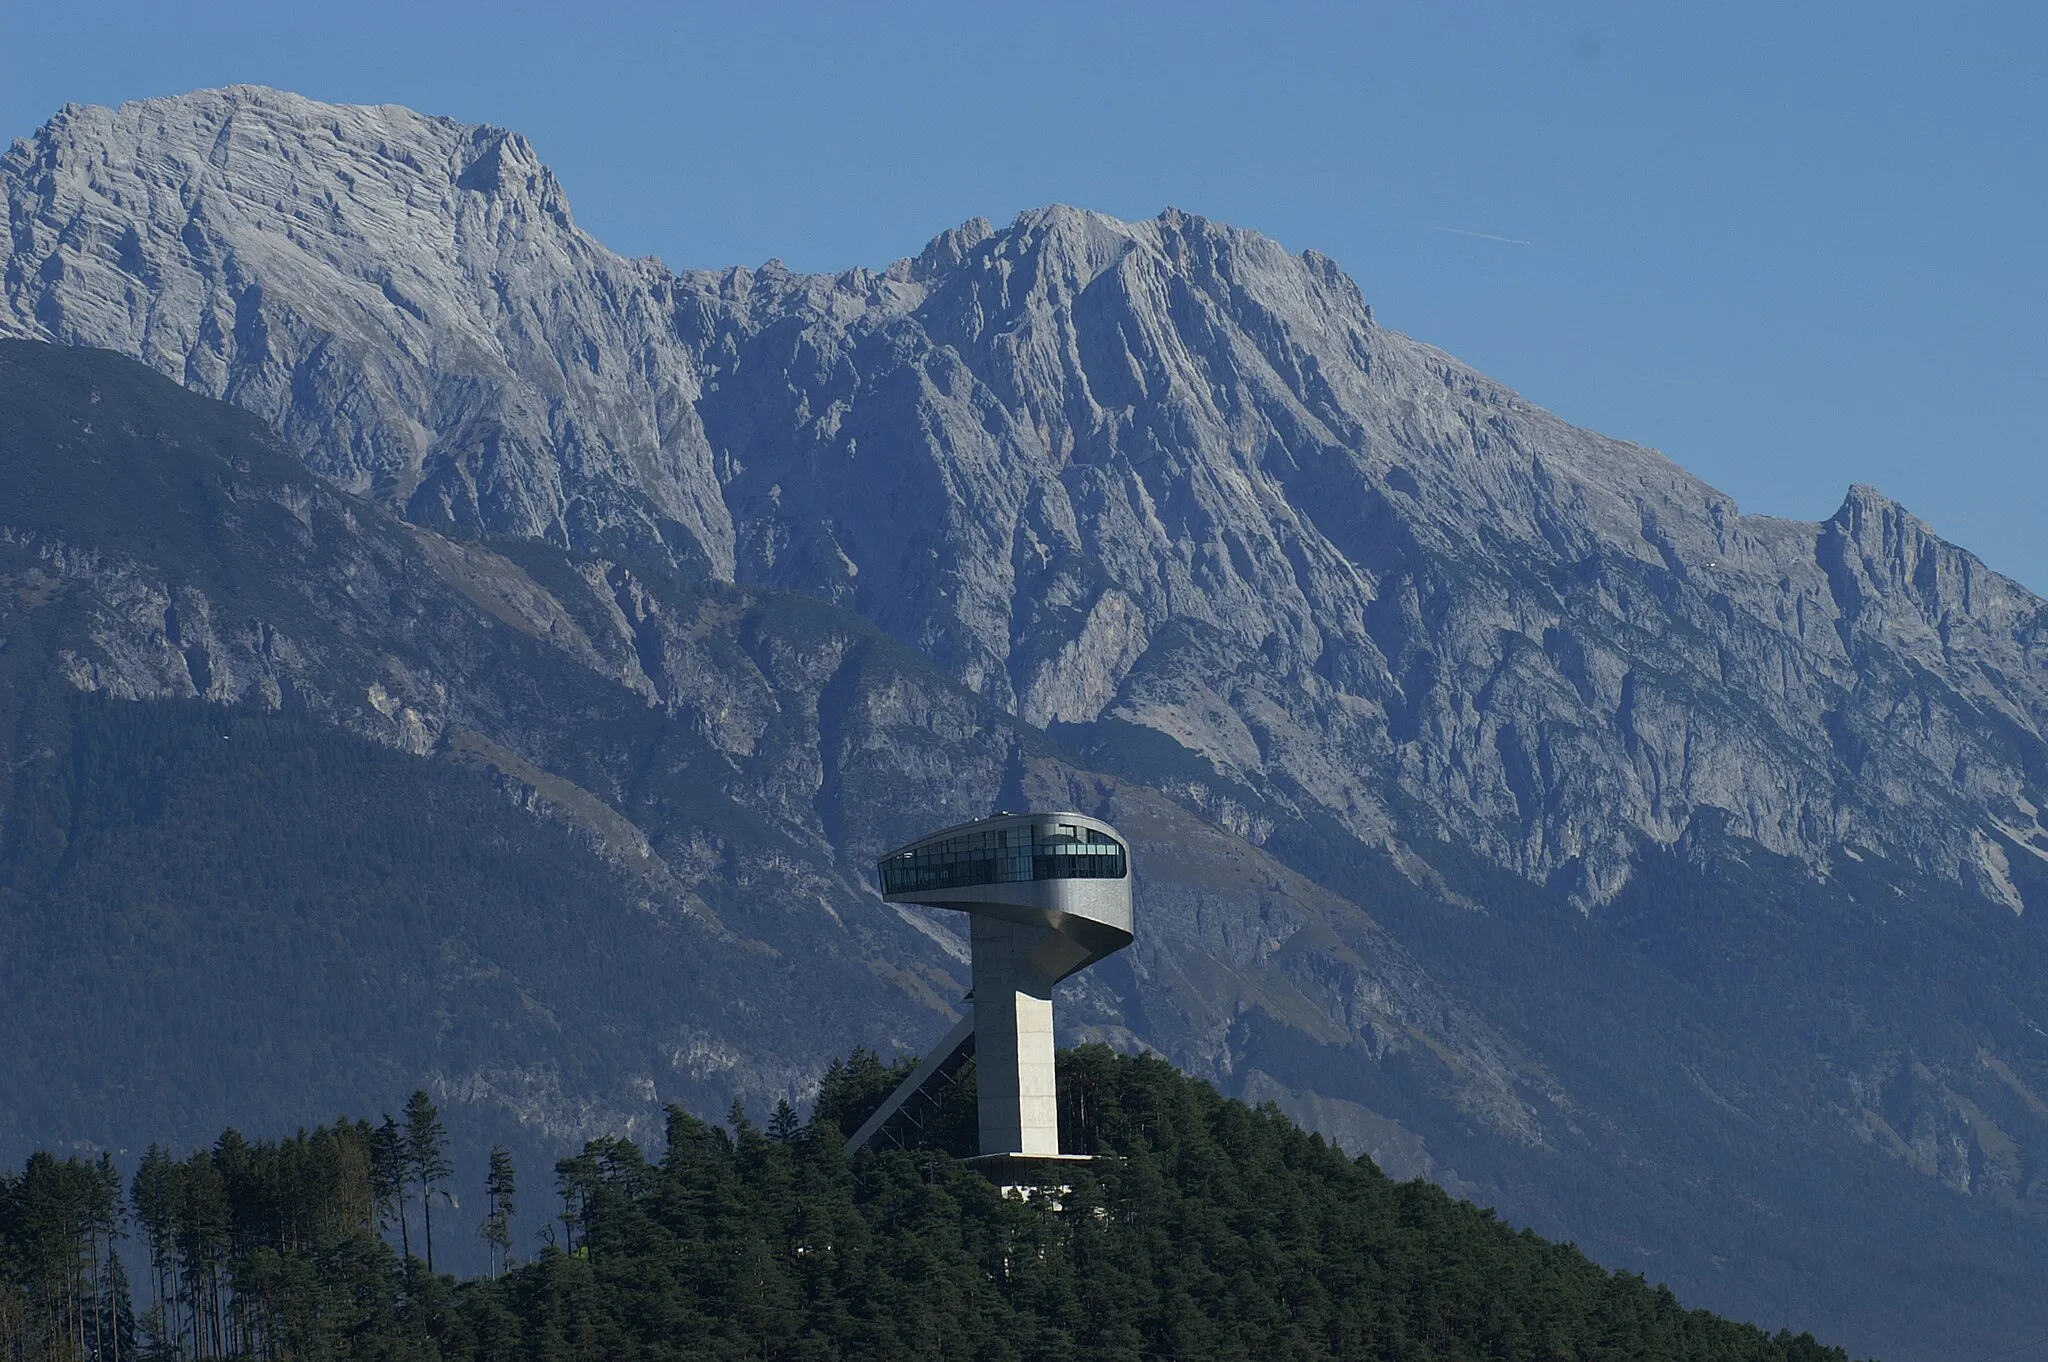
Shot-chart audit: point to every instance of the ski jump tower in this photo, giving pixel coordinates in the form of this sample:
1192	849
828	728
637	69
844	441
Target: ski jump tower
1046	894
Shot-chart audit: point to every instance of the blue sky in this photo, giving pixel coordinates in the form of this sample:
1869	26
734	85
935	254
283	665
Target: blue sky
1793	246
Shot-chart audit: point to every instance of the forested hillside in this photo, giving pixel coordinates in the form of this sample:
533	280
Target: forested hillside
231	897
1207	1229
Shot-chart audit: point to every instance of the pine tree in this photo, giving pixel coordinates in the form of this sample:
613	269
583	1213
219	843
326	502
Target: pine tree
117	1309
426	1158
783	1124
105	1211
204	1228
389	1180
154	1194
499	1187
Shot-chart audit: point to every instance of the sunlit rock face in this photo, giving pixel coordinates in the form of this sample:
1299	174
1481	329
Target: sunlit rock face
404	297
1164	472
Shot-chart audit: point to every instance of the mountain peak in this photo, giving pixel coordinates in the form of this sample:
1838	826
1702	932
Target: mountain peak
205	135
1884	528
946	250
1864	496
1879	552
317	256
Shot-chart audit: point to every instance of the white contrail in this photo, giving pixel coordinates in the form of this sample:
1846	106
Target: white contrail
1483	236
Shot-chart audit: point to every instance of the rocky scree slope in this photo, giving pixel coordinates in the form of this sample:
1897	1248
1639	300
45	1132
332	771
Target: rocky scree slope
1163	473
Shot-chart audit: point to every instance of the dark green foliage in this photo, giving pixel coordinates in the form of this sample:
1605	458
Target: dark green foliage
1207	1229
62	1291
253	1250
943	1118
388	1179
501	1186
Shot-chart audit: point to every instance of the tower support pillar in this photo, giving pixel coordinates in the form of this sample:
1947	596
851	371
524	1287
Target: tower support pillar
1018	1094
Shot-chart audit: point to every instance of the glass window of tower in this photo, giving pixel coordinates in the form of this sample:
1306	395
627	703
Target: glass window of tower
1011	855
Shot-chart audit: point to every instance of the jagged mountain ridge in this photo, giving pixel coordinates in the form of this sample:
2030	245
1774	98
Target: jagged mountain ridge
1163	472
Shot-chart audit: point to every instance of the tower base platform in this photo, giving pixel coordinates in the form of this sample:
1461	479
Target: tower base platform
1029	1170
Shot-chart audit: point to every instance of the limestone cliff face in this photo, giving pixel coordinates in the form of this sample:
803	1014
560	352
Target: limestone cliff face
1160	472
404	297
1167	473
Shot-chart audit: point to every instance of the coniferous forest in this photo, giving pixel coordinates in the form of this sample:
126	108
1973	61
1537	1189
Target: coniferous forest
1209	1229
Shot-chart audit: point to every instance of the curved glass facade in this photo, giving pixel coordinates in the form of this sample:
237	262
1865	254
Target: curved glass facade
1012	855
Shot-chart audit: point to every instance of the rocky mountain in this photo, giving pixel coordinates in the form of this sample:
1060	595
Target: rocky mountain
1706	839
1162	472
159	549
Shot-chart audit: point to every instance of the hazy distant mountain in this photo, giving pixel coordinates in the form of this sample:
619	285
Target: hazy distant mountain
1708	838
